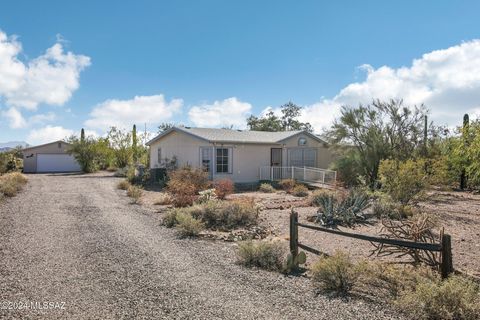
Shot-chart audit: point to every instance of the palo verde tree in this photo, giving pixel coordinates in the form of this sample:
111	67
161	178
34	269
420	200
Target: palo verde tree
287	122
366	135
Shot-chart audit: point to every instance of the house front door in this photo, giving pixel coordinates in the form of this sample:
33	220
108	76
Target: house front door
276	163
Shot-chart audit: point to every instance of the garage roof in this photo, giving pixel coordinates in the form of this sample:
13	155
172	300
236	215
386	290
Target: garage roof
45	144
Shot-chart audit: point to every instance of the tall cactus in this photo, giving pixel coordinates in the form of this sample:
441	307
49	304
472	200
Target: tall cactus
466	125
134	143
425	137
82	135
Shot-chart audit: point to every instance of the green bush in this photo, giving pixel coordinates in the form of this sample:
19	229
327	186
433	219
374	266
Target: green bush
226	215
123	185
170	218
348	169
300	191
188	226
266	187
135	193
403	181
11	183
384	207
453	298
336	274
263	254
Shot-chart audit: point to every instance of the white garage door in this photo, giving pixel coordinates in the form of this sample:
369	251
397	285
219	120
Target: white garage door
57	163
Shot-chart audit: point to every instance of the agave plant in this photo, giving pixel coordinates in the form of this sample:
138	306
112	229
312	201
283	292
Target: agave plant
346	211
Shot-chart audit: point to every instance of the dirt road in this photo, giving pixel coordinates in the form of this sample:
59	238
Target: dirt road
74	241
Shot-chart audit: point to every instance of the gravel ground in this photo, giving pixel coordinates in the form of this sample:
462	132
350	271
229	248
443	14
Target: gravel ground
76	239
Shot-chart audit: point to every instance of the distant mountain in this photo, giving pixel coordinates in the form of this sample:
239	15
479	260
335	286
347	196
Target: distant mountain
6	146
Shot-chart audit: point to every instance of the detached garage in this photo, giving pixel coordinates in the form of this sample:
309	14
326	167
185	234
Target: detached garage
49	157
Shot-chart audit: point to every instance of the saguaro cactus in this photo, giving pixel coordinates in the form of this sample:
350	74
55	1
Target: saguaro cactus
134	143
466	125
82	135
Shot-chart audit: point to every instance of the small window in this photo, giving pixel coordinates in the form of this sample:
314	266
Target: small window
302	142
159	155
222	160
59	145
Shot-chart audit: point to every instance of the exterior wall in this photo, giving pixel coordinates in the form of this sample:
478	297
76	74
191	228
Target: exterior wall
30	155
183	146
246	158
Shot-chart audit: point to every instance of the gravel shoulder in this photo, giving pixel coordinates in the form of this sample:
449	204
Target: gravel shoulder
76	239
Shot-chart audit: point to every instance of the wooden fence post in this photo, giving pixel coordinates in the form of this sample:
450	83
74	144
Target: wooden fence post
294	233
446	266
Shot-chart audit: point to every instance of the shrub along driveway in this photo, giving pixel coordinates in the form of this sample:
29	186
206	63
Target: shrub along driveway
76	239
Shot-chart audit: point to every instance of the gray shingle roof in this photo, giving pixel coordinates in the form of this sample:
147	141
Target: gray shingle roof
234	136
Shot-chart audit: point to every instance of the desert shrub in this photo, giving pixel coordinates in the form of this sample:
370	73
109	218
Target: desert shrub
403	181
385	208
348	169
342	209
223	188
419	228
390	280
121	172
300	191
336	274
11	183
192	176
135	193
317	196
163	199
185	183
226	215
263	254
287	184
266	187
181	200
206	196
123	185
188	226
453	298
170	218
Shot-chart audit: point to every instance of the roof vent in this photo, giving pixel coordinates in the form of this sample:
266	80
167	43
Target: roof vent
239	130
188	127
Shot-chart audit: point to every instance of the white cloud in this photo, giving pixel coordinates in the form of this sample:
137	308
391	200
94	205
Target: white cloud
15	118
139	110
50	78
447	81
48	134
226	112
42	118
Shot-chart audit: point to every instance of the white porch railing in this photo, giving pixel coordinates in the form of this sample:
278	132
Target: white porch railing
304	174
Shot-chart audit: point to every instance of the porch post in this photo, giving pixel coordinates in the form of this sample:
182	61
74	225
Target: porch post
293	174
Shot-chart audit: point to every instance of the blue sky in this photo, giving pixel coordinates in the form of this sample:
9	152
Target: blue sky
212	63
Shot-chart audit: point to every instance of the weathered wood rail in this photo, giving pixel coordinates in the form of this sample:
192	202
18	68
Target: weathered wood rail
444	247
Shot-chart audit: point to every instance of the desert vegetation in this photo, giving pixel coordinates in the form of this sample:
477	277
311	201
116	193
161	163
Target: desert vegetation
11	183
119	150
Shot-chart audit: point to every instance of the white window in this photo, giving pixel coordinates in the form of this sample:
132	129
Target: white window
159	155
302	141
223	160
302	157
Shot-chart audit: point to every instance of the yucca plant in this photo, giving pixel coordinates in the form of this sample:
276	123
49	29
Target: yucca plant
347	211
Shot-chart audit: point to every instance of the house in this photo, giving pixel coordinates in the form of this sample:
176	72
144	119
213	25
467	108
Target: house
244	156
49	157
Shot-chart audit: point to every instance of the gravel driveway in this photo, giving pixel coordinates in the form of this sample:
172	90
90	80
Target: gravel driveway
76	239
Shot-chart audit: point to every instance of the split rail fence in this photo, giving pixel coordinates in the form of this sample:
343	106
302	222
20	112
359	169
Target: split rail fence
444	247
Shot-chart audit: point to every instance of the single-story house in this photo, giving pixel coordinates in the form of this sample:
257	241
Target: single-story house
243	156
49	157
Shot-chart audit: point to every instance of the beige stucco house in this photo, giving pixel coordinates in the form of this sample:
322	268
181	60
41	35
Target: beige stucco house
49	157
244	156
